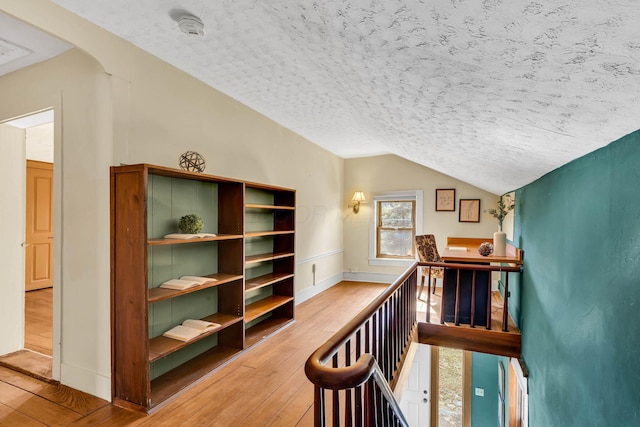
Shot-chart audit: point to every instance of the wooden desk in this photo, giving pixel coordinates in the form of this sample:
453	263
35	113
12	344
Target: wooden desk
454	252
513	254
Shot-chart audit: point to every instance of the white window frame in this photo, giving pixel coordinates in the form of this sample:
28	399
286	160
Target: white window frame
405	195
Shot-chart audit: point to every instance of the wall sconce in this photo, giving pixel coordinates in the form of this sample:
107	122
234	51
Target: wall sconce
358	197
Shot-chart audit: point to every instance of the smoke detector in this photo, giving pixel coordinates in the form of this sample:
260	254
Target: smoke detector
191	25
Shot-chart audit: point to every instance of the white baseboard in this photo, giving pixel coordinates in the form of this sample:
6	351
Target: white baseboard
370	277
87	381
312	291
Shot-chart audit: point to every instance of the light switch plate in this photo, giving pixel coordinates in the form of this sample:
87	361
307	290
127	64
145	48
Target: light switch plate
479	391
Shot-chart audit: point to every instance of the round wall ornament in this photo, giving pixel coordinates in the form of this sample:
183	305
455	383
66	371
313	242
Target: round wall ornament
192	161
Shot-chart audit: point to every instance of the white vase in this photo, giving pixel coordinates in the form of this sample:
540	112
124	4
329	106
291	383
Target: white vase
499	243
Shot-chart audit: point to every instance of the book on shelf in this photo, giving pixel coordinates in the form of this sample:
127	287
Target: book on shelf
186	282
190	329
185	236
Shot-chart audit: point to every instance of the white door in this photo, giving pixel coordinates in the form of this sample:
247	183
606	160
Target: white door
12	228
416	399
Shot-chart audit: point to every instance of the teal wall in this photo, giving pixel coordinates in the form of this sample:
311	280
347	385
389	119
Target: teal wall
484	375
579	227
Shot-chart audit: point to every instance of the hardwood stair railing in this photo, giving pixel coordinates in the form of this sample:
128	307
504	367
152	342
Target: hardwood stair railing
503	339
377	339
473	268
355	370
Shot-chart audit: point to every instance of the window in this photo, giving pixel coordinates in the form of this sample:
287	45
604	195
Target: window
451	387
396	228
397	219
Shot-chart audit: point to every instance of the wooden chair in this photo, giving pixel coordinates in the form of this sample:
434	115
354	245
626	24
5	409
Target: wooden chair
428	252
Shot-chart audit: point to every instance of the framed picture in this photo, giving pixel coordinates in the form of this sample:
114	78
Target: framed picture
469	210
446	199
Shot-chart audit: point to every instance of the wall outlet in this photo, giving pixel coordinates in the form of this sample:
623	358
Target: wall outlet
354	269
479	391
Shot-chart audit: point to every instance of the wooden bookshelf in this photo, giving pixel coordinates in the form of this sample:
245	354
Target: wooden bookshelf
262	330
268	233
266	280
264	306
269	259
167	385
162	346
162	241
159	294
269	207
255	230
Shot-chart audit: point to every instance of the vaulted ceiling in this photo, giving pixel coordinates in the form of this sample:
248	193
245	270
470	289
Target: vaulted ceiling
495	93
22	45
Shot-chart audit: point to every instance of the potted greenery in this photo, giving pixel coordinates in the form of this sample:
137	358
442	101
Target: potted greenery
190	224
505	205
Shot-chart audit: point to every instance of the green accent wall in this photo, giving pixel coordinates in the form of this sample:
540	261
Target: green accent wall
484	375
579	227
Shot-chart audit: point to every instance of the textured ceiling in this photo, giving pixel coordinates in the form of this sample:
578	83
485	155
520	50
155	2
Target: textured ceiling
494	93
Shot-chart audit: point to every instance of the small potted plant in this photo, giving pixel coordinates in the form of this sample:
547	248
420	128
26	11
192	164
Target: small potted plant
505	205
190	224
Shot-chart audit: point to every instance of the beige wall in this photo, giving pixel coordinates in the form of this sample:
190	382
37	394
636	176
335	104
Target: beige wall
391	173
129	107
163	121
40	143
78	90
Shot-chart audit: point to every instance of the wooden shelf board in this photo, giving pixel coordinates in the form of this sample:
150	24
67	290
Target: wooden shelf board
157	242
261	186
159	294
262	330
183	174
161	346
267	233
170	383
255	206
267	257
265	280
263	306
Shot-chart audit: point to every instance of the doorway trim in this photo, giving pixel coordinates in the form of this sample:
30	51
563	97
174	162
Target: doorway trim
56	106
467	362
518	415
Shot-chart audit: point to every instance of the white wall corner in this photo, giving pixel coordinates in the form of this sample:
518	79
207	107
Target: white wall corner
87	381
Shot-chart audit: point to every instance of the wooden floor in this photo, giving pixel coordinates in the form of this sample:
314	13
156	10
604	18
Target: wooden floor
36	358
265	386
38	326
